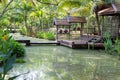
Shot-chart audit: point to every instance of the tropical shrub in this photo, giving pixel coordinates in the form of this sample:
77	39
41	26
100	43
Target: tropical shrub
46	35
49	35
4	22
6	59
117	47
8	51
19	60
108	43
18	50
6	42
40	34
8	62
111	47
23	31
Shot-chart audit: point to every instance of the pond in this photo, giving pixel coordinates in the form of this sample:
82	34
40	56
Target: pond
62	63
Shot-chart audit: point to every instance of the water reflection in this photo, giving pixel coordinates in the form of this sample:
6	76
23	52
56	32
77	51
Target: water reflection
62	63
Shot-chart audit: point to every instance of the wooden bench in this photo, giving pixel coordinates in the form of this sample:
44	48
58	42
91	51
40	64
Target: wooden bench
24	41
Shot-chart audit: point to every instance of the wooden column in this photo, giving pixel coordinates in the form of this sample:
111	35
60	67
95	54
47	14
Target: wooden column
56	33
118	25
81	29
102	25
69	32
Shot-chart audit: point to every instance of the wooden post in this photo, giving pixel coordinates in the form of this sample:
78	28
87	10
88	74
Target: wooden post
102	25
81	29
69	32
98	23
57	33
118	26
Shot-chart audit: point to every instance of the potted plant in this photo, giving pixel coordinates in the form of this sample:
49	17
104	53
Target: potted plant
60	31
65	31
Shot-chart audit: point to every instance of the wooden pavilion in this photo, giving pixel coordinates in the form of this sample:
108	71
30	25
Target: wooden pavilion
84	40
61	22
75	43
76	19
110	19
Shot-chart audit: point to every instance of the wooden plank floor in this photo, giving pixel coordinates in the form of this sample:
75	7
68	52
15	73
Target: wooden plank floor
74	43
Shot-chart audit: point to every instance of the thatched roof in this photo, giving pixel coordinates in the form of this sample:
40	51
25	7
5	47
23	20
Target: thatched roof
61	22
76	19
109	9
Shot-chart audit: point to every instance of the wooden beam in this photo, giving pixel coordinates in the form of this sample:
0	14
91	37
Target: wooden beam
81	29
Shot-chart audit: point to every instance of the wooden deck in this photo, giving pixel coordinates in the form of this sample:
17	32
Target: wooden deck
84	42
74	43
81	44
69	43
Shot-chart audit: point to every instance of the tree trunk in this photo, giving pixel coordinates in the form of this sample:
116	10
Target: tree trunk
25	21
98	24
39	28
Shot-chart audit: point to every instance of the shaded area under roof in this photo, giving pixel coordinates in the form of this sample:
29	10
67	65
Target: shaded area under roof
109	9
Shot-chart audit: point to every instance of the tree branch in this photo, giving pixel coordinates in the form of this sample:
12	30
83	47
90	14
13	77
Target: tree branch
4	10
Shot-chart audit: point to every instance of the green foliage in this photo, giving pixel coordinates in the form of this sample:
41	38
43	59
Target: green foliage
6	42
110	47
46	35
8	51
20	60
4	2
4	22
16	18
7	59
26	6
18	50
117	46
49	35
108	44
40	34
23	31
